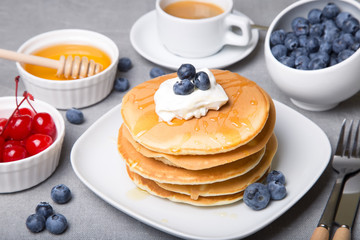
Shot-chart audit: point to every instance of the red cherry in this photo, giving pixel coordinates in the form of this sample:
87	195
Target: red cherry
37	143
3	122
14	153
2	141
11	143
44	123
20	127
24	111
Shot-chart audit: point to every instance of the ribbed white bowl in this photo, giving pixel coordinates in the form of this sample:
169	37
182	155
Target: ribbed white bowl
73	93
28	172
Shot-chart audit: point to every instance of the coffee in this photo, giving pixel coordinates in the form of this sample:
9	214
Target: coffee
193	9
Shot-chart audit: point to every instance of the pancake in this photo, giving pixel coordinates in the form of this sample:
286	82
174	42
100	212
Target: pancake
233	125
230	186
154	189
163	173
198	162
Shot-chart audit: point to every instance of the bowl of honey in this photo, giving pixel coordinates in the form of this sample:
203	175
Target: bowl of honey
65	92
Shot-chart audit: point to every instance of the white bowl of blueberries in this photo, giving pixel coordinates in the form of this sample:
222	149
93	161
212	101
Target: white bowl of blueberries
311	52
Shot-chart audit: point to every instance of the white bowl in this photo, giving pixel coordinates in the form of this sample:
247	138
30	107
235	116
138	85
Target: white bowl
315	90
73	93
28	172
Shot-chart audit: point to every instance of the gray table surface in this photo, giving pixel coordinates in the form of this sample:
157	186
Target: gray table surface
89	216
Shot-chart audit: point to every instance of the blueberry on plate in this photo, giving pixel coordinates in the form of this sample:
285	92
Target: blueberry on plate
121	84
183	87
56	224
279	51
186	71
156	72
257	196
45	209
202	81
60	194
124	64
277	190
74	116
330	11
277	37
35	223
315	15
275	175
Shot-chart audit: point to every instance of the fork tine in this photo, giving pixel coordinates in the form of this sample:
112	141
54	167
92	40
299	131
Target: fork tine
339	149
355	153
348	141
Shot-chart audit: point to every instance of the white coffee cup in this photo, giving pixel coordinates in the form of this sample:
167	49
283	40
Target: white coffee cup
196	38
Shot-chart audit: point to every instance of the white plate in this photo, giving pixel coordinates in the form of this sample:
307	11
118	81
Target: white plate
304	152
144	38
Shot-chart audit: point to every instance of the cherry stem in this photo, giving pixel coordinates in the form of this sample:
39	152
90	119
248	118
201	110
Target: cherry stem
17	79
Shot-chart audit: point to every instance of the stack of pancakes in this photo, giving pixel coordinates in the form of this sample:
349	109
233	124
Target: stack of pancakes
203	161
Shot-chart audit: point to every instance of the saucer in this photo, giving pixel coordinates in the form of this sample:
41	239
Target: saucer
145	40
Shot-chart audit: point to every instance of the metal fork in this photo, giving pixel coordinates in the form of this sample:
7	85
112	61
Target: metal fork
346	162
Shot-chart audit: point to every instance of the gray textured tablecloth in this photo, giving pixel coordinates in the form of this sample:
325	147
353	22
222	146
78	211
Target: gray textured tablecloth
89	216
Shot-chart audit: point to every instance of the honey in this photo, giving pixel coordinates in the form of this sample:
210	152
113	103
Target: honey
55	51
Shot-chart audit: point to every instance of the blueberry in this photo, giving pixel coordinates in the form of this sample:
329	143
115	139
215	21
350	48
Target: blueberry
45	209
323	56
121	84
124	64
330	11
275	175
257	196
325	47
277	190
331	34
56	224
312	45
279	51
74	116
316	63
333	59
288	61
35	223
348	38
277	37
291	42
355	46
338	45
316	30
301	62
329	24
299	52
341	17
186	71
351	25
202	81
357	36
346	53
183	87
314	16
302	40
60	194
300	26
156	72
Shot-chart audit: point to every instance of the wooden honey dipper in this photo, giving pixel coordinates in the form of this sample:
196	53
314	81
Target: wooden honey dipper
69	67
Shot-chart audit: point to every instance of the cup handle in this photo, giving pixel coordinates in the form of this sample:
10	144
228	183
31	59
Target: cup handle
241	22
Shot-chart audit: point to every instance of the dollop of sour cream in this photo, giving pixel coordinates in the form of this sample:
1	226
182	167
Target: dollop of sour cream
169	105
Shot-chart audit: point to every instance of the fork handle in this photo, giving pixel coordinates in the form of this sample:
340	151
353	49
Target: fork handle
342	233
320	233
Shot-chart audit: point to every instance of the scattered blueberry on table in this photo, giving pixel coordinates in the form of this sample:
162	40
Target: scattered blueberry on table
44	209
60	194
35	223
74	116
156	72
124	64
121	84
56	224
326	37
